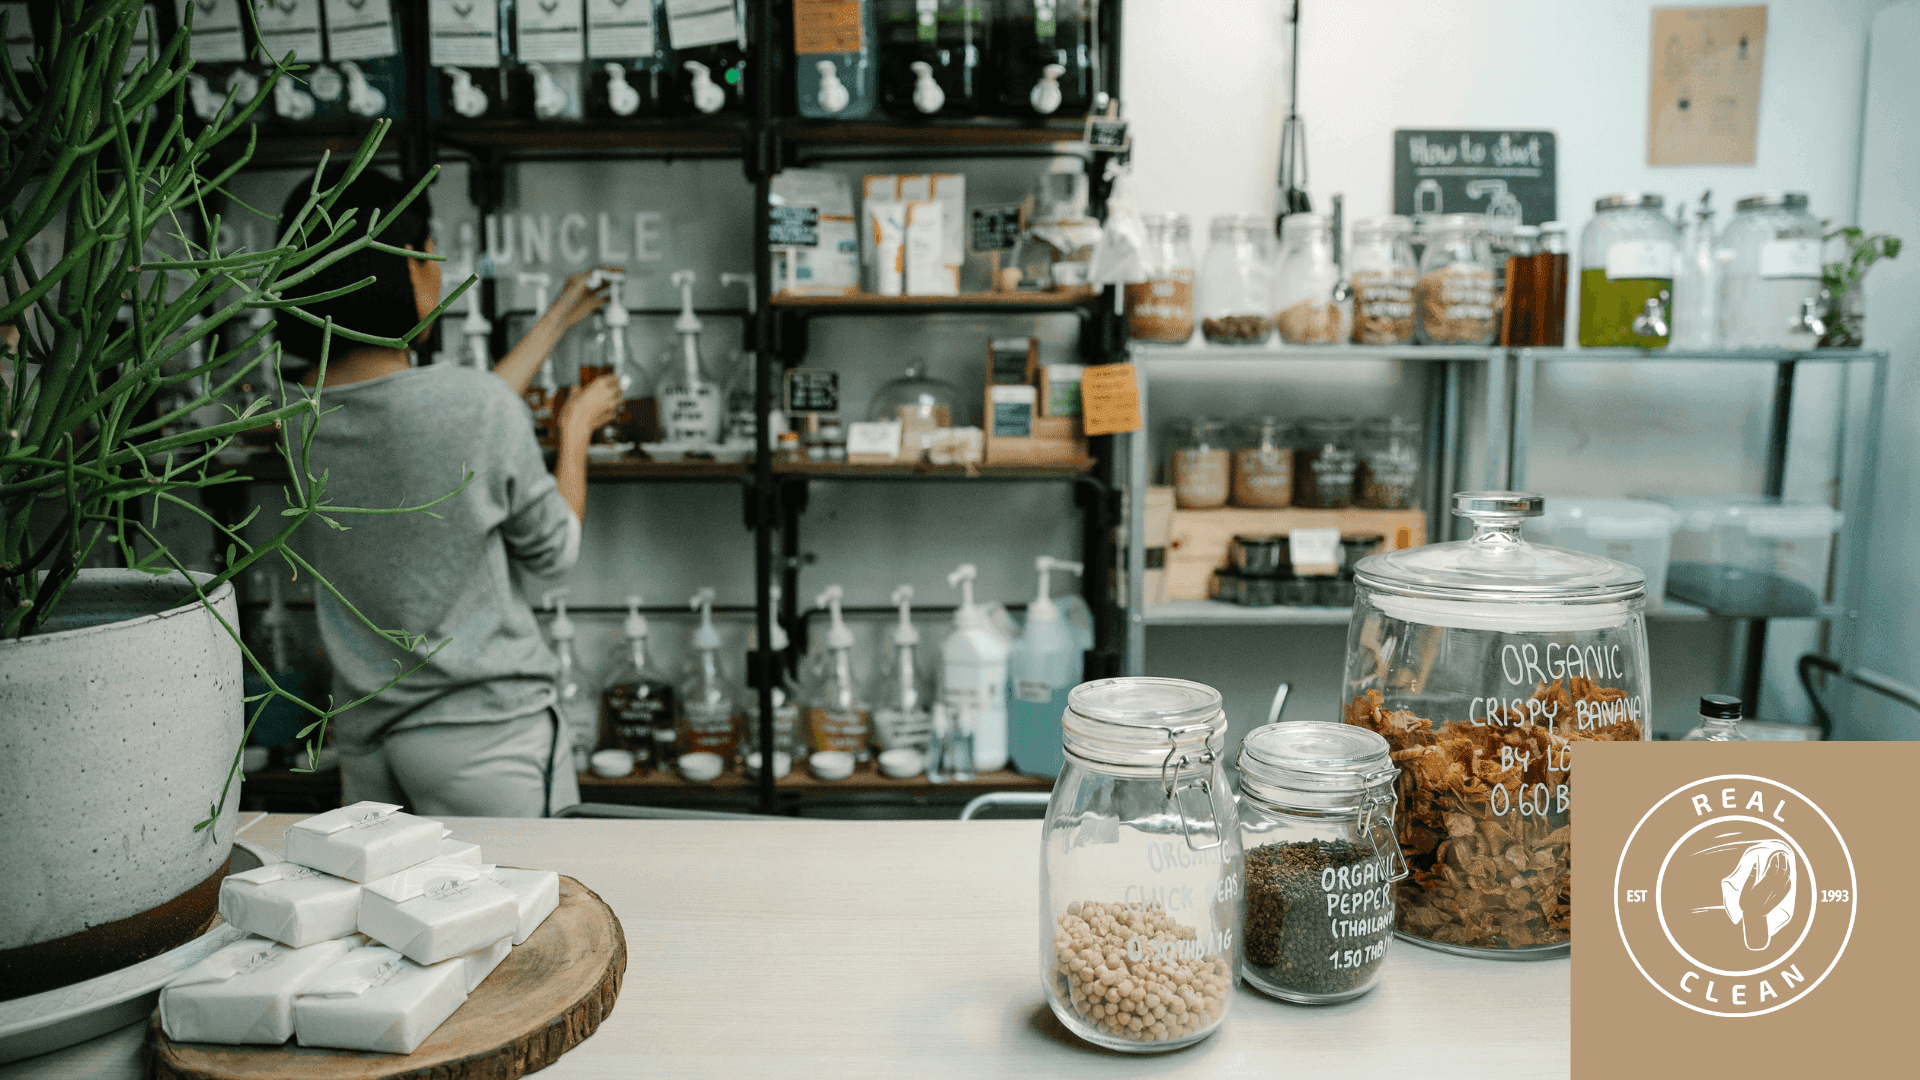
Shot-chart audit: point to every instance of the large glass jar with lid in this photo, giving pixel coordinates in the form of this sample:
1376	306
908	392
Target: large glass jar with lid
1627	258
1482	662
1201	467
1236	283
1771	281
1140	867
1305	281
1382	271
1454	295
1160	309
1316	831
1263	465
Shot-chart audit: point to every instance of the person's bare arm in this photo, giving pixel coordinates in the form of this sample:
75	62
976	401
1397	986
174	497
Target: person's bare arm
576	302
587	409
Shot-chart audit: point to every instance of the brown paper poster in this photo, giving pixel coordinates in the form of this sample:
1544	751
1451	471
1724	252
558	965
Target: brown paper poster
1110	399
1745	909
1703	93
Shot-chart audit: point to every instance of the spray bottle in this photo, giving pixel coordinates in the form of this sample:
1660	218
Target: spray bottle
690	405
542	393
638	700
902	695
835	714
1044	665
786	703
708	723
973	675
572	698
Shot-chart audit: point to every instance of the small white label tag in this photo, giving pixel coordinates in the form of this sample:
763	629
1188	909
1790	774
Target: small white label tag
1640	259
1790	259
553	31
464	33
1316	552
619	28
360	29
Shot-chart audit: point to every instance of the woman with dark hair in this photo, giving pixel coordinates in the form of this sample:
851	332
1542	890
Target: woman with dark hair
474	730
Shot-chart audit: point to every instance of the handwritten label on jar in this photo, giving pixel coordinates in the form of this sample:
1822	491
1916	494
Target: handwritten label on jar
1790	259
692	415
1382	307
1640	259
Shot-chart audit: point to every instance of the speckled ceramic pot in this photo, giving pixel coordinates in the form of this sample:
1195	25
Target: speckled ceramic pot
117	727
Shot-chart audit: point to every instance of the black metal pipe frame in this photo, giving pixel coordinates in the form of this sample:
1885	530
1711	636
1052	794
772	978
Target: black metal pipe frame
761	165
1752	671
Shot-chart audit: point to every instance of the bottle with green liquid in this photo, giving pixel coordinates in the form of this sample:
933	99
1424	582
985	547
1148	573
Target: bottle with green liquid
1627	257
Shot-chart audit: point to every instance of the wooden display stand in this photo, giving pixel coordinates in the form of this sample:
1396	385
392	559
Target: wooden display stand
1054	442
1199	539
545	998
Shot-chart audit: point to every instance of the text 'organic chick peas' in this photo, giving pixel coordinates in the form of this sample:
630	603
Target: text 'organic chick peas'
1135	973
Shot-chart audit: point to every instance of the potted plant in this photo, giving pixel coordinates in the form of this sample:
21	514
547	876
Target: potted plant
1846	307
122	714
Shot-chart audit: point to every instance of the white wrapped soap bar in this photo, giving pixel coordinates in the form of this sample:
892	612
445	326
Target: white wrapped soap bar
537	892
437	911
244	993
481	962
364	841
292	904
376	999
458	851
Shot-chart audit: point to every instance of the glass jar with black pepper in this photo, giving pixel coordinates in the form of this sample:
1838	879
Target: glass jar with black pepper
1324	463
1236	282
1316	831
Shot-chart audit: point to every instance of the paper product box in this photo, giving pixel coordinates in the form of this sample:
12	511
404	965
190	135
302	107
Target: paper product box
947	189
927	272
458	851
831	267
292	904
245	992
375	999
438	911
364	841
536	892
481	962
884	222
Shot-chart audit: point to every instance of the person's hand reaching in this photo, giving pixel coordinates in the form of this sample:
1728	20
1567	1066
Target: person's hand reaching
578	299
1760	894
589	408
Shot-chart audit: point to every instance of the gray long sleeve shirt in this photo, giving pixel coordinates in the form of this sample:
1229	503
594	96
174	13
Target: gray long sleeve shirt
406	439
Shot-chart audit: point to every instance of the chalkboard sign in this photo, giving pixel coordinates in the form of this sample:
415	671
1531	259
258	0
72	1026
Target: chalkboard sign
1495	172
794	226
995	228
1107	133
813	391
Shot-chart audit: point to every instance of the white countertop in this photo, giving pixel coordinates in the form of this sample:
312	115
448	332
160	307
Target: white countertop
911	949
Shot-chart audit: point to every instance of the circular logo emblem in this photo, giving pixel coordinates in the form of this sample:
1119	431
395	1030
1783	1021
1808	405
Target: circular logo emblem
1735	895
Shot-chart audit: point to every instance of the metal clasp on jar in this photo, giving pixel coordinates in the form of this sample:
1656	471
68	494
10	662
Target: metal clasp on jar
1376	817
1170	770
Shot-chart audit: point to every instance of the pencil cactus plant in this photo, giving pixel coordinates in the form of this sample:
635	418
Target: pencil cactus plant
115	287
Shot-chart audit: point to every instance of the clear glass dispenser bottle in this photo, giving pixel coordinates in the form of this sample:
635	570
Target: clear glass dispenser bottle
903	694
691	408
836	713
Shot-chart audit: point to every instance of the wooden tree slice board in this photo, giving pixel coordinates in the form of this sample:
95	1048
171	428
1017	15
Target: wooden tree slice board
548	995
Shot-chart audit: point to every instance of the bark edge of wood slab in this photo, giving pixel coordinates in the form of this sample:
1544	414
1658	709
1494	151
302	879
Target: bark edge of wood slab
545	998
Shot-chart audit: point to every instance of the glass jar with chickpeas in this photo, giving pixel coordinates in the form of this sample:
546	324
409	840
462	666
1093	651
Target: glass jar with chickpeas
1140	877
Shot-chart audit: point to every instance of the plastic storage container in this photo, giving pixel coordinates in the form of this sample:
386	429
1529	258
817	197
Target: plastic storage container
1482	662
1633	531
1316	830
1748	556
1140	867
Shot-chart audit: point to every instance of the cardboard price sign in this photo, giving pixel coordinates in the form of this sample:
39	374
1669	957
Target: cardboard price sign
1110	399
995	228
793	226
813	391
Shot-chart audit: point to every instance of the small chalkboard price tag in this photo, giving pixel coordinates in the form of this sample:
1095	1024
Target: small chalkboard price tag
1107	134
793	226
813	391
995	228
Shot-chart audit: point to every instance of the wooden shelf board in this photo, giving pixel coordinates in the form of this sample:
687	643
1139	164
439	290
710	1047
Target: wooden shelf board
1056	299
641	469
843	470
516	137
985	131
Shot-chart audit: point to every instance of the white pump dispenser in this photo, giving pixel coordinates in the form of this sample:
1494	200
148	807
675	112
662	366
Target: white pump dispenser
635	627
1044	666
706	701
1046	95
477	328
575	701
707	95
836	714
689	401
705	638
363	98
973	674
468	99
834	94
549	100
902	695
927	95
622	98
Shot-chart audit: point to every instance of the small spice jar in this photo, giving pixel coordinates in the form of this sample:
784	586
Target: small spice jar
1140	867
1454	296
1304	283
1627	255
1236	284
1324	463
1263	466
1388	473
1201	466
1382	270
1160	309
1316	826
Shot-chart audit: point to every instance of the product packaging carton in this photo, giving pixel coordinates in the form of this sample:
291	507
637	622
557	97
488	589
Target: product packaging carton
438	911
292	904
949	190
376	999
364	841
926	268
245	992
831	267
536	892
481	962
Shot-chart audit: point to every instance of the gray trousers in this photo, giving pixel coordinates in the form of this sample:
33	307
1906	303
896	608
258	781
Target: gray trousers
509	768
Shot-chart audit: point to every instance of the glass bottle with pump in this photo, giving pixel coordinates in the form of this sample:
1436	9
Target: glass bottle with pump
709	42
629	66
363	41
572	696
932	57
221	68
467	51
608	352
741	418
543	393
638	699
1719	720
1045	51
903	694
973	675
1044	665
707	719
836	713
690	405
549	52
786	703
833	58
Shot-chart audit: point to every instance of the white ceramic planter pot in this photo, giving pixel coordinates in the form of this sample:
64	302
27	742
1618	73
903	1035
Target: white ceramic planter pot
117	728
